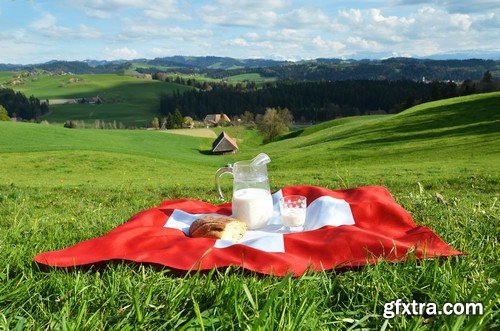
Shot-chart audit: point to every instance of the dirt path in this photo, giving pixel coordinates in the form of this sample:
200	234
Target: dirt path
202	132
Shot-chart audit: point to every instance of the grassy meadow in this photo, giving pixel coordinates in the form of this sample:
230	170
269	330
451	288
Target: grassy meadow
61	186
130	100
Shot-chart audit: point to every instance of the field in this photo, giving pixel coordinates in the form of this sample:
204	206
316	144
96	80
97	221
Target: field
257	78
130	100
252	77
133	101
202	132
61	186
5	76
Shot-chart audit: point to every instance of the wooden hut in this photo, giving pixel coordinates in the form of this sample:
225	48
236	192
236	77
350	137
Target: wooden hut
224	144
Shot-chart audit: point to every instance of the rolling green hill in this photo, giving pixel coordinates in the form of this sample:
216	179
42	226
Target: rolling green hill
438	139
133	101
446	136
61	186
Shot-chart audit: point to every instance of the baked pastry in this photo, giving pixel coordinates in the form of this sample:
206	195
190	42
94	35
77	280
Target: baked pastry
218	227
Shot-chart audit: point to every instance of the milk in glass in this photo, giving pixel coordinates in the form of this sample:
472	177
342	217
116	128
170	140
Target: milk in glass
293	216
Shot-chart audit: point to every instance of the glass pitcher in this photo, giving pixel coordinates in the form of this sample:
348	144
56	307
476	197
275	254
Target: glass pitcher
252	201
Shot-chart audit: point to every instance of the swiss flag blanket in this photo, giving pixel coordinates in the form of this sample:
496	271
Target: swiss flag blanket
343	228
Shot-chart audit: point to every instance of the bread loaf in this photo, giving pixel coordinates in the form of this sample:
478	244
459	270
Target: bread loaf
218	227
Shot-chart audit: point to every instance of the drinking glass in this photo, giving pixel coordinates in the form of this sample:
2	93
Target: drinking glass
293	211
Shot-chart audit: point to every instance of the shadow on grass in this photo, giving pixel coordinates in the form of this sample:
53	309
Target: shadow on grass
205	151
477	117
293	134
472	112
478	129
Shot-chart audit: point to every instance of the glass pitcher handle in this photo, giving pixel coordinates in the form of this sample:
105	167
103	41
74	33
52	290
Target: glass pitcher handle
218	174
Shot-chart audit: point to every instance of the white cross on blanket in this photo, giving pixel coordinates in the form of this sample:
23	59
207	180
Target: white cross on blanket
322	211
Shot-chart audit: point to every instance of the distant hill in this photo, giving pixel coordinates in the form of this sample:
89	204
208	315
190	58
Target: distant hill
213	62
307	70
75	67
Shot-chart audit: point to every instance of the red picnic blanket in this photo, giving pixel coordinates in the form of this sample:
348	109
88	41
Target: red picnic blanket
343	228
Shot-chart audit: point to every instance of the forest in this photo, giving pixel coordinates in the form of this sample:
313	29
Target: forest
313	101
20	106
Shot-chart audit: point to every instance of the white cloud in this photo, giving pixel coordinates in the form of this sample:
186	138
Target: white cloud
391	21
46	26
329	45
47	20
456	6
462	21
252	3
160	51
154	9
305	17
254	28
364	43
147	32
252	35
15	52
240	42
285	35
419	32
239	17
352	14
123	53
487	22
244	13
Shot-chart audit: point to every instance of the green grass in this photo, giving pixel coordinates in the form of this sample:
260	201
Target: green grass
61	186
127	113
133	101
129	100
251	77
5	76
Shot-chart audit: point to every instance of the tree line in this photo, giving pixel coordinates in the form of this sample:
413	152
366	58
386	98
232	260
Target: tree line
315	101
20	106
336	69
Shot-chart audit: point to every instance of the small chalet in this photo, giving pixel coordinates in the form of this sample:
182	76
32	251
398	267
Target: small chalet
224	144
214	119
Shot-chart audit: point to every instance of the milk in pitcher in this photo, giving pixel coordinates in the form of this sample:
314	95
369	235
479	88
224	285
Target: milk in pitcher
254	206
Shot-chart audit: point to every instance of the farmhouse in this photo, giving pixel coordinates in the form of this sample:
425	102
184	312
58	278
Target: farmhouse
214	119
91	100
224	144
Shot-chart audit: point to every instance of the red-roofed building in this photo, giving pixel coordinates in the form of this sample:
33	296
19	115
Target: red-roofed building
214	119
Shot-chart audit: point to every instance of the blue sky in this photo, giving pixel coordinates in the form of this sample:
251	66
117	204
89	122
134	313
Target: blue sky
33	31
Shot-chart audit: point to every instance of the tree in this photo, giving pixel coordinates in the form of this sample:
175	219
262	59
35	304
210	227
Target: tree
169	121
177	119
188	121
155	123
286	117
487	82
223	121
275	122
487	77
4	116
70	124
247	117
